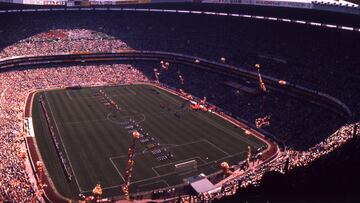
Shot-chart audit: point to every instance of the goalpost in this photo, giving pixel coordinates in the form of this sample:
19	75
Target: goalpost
184	166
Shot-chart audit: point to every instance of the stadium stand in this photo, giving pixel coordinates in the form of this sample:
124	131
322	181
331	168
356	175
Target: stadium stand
322	59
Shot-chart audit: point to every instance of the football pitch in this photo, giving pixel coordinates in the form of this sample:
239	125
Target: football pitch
95	139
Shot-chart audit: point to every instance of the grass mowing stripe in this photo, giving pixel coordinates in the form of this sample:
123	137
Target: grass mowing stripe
100	135
228	131
85	140
74	135
50	158
169	96
196	128
141	101
199	131
151	100
62	142
159	97
229	145
163	131
94	141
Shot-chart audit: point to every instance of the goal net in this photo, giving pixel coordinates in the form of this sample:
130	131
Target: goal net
184	166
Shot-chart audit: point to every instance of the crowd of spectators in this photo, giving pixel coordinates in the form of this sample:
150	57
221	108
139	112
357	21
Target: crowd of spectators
314	60
290	159
285	161
64	41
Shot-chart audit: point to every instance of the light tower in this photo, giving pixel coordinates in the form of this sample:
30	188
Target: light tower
97	191
130	164
225	167
261	82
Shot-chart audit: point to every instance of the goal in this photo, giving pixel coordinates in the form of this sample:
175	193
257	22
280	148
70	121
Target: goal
184	166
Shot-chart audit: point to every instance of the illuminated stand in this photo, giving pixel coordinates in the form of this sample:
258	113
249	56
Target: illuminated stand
261	82
225	168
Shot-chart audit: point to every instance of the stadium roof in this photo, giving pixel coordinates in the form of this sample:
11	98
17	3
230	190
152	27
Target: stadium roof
202	185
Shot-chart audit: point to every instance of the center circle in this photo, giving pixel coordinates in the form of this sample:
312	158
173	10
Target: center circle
123	117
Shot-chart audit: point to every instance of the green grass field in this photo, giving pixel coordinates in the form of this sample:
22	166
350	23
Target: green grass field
95	140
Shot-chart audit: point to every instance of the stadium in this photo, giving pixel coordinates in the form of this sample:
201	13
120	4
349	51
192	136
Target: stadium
179	101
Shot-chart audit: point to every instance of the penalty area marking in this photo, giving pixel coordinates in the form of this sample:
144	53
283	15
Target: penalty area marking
228	131
116	168
172	163
180	161
154	177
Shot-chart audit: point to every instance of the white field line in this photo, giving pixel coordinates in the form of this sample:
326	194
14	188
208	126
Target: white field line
177	102
154	177
256	133
216	147
62	143
130	90
108	119
187	172
173	146
215	161
69	96
204	140
227	131
80	122
176	162
122	177
121	94
155	171
160	181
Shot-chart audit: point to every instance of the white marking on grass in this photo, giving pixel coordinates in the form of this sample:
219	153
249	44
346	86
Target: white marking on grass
116	168
121	95
171	173
69	96
126	118
162	145
180	161
62	143
216	147
172	98
187	172
227	131
174	146
155	171
160	181
84	121
130	90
